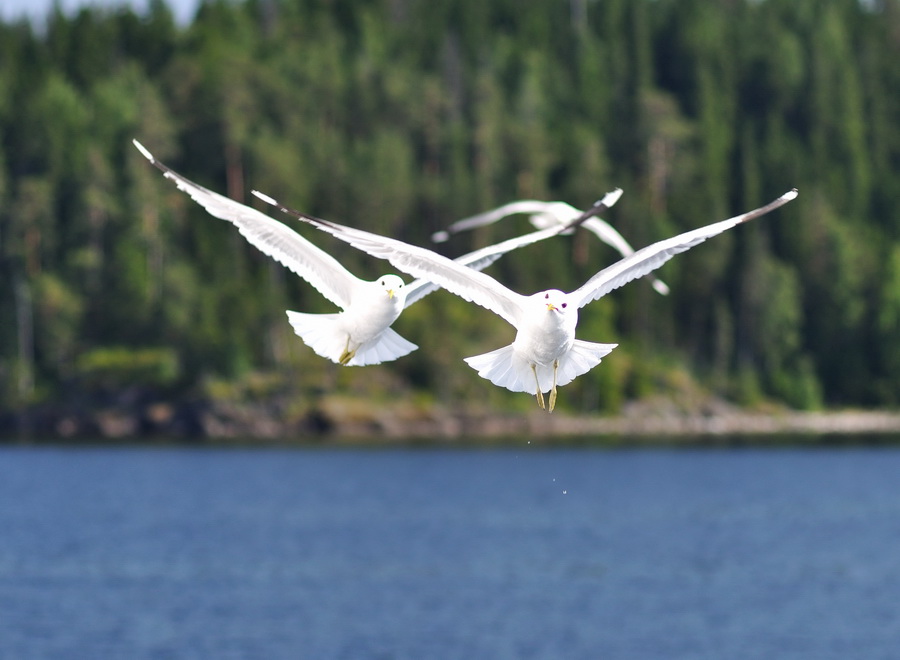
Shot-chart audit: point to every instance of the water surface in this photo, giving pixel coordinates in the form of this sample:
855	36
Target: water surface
416	554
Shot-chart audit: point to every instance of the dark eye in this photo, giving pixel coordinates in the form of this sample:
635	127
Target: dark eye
564	305
546	295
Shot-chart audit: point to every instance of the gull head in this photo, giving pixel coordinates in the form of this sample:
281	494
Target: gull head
554	300
391	284
547	324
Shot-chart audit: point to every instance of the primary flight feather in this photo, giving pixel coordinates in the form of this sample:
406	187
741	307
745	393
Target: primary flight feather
545	353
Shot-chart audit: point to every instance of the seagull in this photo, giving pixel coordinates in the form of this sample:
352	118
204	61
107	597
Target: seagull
545	353
548	214
360	334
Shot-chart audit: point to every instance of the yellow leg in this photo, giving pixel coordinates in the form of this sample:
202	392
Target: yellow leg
347	355
540	395
553	389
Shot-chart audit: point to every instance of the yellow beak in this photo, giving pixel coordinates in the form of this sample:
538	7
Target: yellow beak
551	307
390	294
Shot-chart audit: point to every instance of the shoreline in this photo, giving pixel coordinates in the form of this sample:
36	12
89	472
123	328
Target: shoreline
338	420
546	430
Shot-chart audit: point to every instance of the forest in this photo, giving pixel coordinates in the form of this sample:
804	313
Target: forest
402	116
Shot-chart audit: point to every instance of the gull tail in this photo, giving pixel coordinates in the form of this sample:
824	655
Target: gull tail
321	333
581	358
385	347
505	368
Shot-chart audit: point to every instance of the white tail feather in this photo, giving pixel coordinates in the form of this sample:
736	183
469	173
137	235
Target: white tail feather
384	348
321	332
318	332
505	368
581	358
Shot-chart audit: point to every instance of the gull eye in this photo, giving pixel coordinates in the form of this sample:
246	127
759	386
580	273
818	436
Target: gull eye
564	305
546	296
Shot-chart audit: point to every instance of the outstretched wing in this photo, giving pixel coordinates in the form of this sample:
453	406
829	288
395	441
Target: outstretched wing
479	260
544	214
605	232
530	206
653	256
457	278
271	237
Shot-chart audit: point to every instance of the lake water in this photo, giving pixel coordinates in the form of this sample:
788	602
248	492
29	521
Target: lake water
458	554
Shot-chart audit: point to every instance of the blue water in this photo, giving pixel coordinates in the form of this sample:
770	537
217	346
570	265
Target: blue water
419	554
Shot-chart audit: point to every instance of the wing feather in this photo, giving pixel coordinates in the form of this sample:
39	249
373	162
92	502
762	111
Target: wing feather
271	237
457	278
606	233
530	206
653	256
479	260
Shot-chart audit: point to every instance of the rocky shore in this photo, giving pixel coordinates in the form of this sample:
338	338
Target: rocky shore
336	419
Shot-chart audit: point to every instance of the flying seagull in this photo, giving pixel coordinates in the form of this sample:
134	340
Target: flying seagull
360	334
548	214
545	353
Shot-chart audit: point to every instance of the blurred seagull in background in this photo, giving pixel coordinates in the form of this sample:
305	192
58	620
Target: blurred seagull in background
545	353
360	334
548	214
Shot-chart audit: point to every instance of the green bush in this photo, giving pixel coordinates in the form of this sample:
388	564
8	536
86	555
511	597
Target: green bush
118	367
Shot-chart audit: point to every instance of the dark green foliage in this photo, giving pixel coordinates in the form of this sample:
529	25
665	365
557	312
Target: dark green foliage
400	116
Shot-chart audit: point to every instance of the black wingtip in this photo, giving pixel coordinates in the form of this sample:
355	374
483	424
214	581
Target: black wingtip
306	217
601	205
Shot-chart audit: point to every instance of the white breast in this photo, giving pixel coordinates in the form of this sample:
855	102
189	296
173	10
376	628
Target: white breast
545	335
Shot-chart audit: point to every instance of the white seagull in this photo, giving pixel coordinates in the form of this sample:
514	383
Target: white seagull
548	214
360	334
545	353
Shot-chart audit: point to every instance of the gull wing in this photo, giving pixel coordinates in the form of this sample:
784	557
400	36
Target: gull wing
461	280
605	232
479	260
602	230
271	237
531	206
550	212
653	256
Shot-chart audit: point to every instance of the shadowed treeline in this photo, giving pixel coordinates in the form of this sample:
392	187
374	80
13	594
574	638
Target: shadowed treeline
402	116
